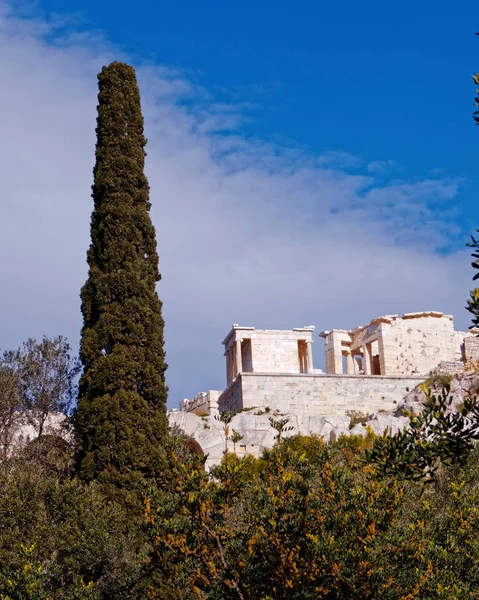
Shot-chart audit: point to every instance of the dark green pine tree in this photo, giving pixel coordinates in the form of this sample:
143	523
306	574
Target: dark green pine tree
121	418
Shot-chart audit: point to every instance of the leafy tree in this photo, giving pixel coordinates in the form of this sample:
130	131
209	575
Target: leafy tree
235	437
473	301
63	539
46	375
10	409
281	426
26	581
121	420
434	437
225	417
300	523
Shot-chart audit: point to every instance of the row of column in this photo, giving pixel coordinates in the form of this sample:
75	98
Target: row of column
351	358
367	360
234	359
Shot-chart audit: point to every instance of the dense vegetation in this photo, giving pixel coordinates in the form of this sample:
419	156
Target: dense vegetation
125	509
121	421
307	520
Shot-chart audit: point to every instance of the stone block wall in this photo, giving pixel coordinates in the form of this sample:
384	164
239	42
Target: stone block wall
449	368
268	351
317	394
204	403
417	345
411	344
231	399
275	353
471	348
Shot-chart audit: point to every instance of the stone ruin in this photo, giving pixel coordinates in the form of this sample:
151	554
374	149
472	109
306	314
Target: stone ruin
369	371
368	368
411	344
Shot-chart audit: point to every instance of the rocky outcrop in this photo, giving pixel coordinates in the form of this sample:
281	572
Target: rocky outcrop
461	387
258	433
381	424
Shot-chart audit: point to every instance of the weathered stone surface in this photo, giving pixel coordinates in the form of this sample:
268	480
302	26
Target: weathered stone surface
410	344
55	424
258	433
202	403
383	360
316	394
270	374
461	387
471	349
381	424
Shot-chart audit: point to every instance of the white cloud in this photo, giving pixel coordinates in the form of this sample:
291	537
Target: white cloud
248	232
381	167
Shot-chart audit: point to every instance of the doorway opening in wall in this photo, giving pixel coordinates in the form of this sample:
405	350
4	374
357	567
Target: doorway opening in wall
375	362
303	356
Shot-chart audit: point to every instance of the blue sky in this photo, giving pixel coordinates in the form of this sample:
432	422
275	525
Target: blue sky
372	78
310	163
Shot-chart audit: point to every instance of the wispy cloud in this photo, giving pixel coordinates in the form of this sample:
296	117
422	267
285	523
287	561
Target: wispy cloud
249	232
381	167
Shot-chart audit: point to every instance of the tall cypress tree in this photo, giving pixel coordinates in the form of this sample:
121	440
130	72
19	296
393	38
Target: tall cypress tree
121	419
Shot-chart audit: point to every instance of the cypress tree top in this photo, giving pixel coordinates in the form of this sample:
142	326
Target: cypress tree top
121	421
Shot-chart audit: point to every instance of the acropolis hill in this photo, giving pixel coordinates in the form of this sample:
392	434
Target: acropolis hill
369	371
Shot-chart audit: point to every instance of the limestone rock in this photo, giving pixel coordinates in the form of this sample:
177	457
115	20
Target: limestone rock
461	387
380	424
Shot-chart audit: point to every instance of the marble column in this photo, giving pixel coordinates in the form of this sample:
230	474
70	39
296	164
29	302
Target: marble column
367	359
349	364
239	361
227	356
309	355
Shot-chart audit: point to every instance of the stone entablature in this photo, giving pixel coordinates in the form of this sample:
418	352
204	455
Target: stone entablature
250	350
410	344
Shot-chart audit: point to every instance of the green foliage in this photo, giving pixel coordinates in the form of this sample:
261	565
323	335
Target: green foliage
437	380
121	420
10	408
435	436
294	524
473	301
42	379
235	437
308	520
314	520
281	426
225	417
63	539
475	78
357	417
26	582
